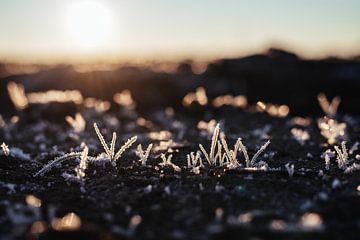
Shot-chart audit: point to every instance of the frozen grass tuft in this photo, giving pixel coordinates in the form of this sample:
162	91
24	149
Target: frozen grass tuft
143	155
327	155
210	157
110	152
193	159
56	161
194	162
231	155
166	161
252	162
342	155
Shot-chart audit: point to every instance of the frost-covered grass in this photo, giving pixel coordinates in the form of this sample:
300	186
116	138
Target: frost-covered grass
166	161
221	155
143	154
218	154
110	149
5	149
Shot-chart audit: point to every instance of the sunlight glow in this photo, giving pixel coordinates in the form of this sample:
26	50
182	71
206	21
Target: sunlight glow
88	24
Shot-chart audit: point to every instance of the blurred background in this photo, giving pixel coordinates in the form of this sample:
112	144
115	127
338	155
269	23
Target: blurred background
284	52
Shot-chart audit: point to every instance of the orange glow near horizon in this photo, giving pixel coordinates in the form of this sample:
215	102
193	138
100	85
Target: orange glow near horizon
111	31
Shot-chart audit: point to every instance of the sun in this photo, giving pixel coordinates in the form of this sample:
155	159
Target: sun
88	24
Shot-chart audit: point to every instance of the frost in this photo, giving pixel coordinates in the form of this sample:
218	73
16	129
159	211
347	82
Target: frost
58	160
336	183
256	155
352	168
342	155
327	155
262	133
230	154
5	149
229	158
354	147
167	190
143	155
19	153
10	186
110	152
290	169
80	169
166	161
211	156
193	160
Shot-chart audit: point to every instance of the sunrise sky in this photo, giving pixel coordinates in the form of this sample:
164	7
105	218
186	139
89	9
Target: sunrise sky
111	30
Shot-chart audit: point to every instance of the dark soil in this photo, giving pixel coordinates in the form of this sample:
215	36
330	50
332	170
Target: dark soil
218	203
177	205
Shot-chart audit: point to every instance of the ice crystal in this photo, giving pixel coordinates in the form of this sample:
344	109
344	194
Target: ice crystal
143	155
342	155
58	160
252	162
110	152
5	149
327	155
210	157
193	159
80	169
166	161
352	168
231	154
290	169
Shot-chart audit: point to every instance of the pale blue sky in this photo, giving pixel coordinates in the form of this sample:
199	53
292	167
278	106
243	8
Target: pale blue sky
35	30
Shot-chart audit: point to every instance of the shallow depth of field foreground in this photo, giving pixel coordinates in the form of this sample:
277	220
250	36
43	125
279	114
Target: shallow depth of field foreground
179	120
181	160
